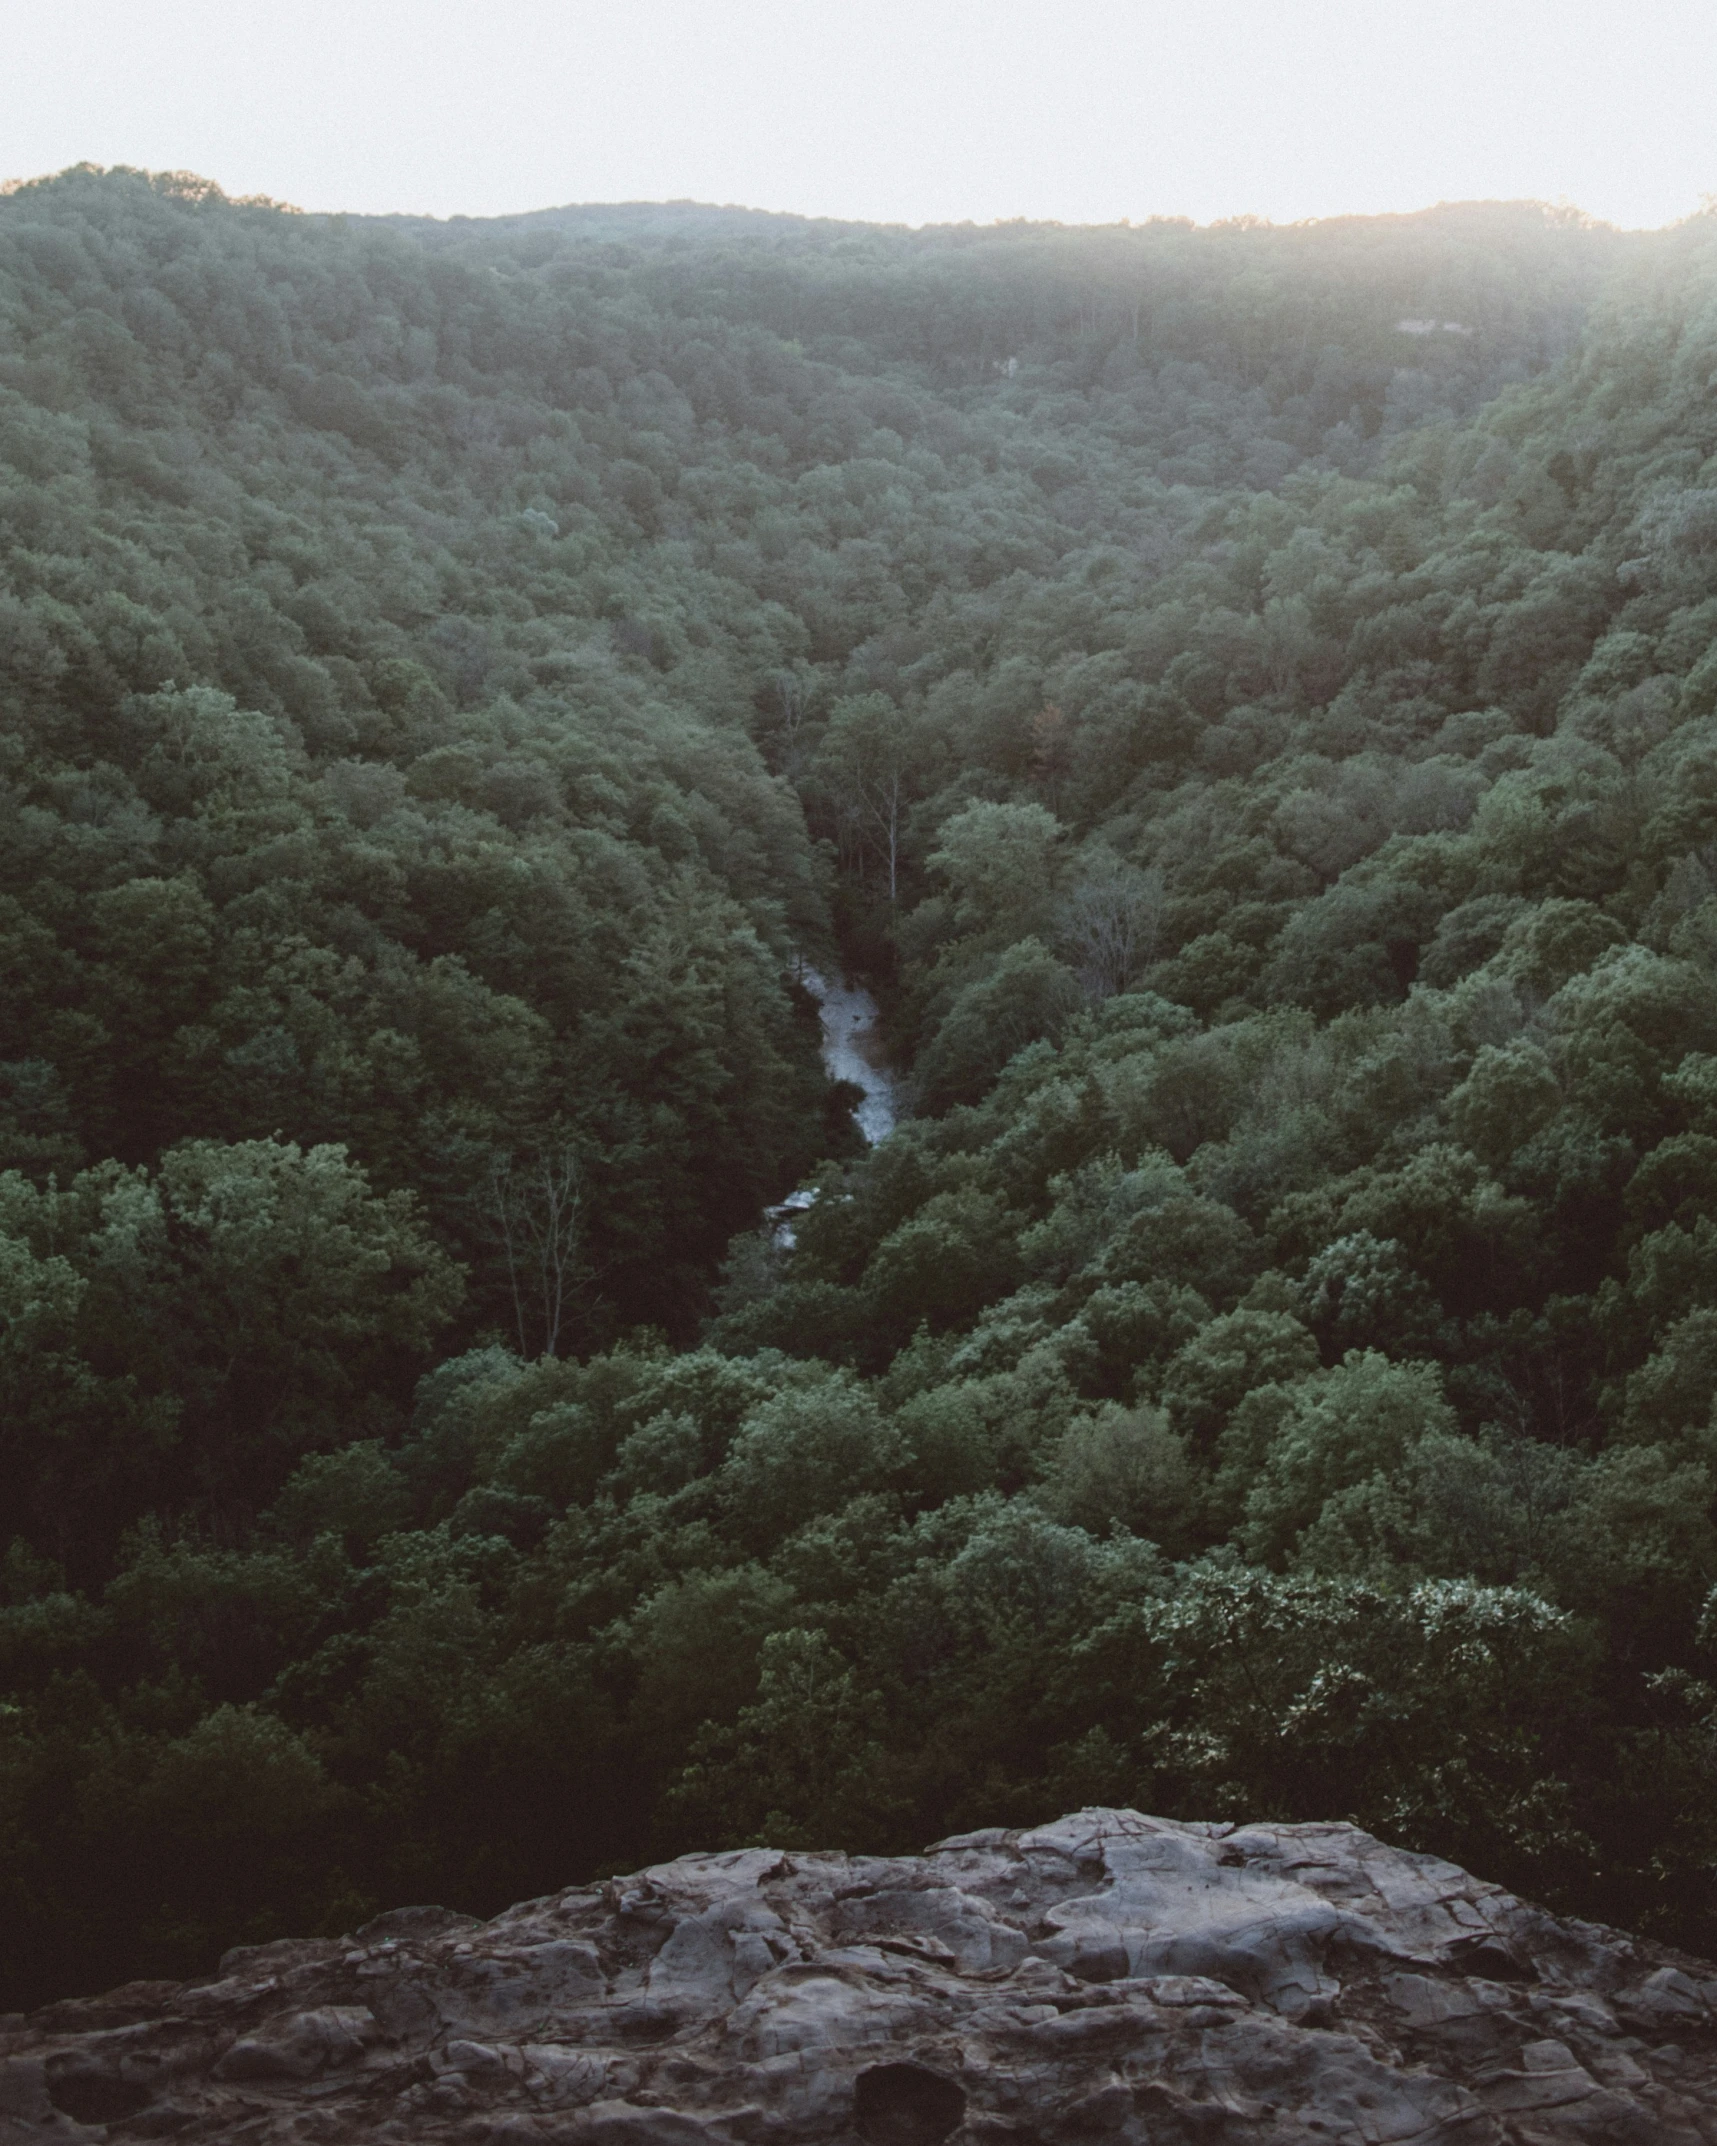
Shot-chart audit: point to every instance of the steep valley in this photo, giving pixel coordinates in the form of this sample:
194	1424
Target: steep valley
1244	748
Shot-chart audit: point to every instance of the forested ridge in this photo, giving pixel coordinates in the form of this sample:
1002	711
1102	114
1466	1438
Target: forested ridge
1246	701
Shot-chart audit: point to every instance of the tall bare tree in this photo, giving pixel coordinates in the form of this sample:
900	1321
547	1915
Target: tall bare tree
1111	922
862	762
538	1203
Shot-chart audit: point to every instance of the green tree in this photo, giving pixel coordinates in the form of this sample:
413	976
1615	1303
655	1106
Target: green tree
864	761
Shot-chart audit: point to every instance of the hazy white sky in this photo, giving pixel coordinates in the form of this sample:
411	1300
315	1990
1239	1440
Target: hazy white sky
903	110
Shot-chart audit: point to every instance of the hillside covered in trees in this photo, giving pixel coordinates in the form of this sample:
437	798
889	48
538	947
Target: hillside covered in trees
1245	700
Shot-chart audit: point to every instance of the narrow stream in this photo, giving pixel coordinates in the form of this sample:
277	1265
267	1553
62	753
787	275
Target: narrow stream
852	1050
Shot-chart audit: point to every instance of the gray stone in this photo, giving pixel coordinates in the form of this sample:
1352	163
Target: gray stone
1111	1978
300	2045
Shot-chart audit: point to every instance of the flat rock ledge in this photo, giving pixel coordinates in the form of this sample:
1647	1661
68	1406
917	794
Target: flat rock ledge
1111	1980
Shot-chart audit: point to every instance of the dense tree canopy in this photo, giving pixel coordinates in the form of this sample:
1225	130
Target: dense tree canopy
1247	701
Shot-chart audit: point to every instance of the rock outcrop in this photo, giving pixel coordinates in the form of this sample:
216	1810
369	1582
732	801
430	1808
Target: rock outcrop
1110	1980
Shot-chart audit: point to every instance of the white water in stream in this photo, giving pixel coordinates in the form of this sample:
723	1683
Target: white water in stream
851	1051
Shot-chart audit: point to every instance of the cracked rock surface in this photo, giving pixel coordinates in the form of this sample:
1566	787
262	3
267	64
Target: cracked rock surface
1110	1979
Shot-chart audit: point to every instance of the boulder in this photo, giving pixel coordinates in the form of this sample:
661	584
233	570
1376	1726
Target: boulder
1108	1980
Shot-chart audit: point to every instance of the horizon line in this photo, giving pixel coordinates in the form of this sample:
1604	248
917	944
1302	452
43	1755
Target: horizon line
199	185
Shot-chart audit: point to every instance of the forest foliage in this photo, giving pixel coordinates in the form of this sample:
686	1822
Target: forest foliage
1247	701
